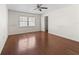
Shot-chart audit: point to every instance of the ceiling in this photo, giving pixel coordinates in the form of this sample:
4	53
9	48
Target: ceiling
30	7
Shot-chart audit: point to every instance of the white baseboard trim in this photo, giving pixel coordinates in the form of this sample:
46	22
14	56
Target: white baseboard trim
64	36
3	43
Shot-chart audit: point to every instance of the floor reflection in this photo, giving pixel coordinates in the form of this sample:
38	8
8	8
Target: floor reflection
46	39
26	43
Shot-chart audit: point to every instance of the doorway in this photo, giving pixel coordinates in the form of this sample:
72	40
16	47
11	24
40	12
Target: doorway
46	23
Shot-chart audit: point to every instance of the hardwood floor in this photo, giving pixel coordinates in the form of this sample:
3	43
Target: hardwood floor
39	43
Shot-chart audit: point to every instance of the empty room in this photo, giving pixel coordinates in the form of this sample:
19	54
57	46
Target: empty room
39	29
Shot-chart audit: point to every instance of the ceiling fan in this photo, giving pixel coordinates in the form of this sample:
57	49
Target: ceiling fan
39	7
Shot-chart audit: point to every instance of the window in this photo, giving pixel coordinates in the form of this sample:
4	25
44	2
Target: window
31	21
23	21
26	21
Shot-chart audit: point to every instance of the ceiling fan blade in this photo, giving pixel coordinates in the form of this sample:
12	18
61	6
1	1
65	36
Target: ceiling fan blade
43	7
35	8
39	5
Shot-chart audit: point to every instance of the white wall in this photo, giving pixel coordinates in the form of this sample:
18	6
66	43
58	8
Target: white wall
65	22
3	25
14	23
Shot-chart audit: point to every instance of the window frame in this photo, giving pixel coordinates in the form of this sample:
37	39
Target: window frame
20	21
35	20
27	21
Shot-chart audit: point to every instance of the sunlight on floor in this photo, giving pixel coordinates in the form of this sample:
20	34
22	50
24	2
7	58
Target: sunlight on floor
26	43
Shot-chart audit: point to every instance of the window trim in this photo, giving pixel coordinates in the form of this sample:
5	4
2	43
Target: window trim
27	22
35	20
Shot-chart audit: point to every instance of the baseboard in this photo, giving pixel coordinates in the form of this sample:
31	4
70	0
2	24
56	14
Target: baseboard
65	37
3	45
24	33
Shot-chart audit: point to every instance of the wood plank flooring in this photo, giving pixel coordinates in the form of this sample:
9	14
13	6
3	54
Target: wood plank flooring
39	43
